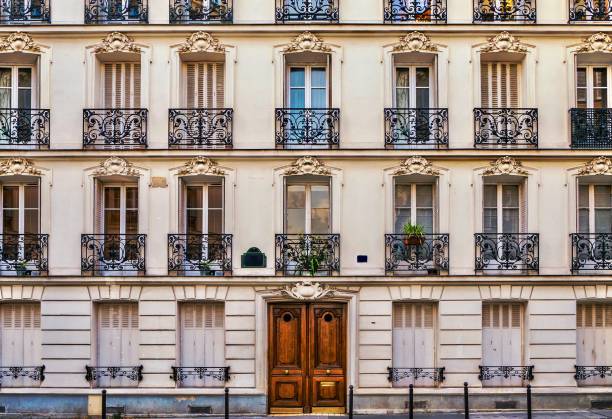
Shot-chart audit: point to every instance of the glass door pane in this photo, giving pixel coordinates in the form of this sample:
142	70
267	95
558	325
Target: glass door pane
403	194
424	207
422	88
510	215
10	223
320	209
490	209
295	222
600	88
318	92
215	209
402	88
297	87
603	208
581	88
583	209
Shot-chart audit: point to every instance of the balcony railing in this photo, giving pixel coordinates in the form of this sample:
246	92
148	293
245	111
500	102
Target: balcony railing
21	376
24	11
113	254
436	375
200	254
115	128
583	372
200	128
93	374
307	10
24	254
523	372
116	11
416	128
307	128
510	252
591	252
308	254
427	255
506	128
591	128
415	11
190	11
28	128
181	374
507	11
590	11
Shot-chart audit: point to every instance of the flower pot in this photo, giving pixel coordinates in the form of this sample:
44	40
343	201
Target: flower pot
414	241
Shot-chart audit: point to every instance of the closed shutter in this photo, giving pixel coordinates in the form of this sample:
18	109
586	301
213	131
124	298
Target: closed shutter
502	339
593	331
523	217
499	85
21	339
122	85
98	206
205	85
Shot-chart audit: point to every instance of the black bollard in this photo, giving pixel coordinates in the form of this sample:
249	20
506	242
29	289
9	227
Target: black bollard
226	403
465	401
528	401
411	402
104	404
350	406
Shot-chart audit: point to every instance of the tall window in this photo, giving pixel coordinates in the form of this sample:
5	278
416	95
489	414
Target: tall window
499	85
23	10
17	87
117	9
121	85
204	84
593	333
21	339
594	208
592	86
414	204
307	207
20	216
504	210
413	87
308	87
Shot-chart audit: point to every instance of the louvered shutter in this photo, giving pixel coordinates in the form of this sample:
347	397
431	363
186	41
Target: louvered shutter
499	85
523	209
122	85
182	212
98	206
205	85
21	340
502	339
593	331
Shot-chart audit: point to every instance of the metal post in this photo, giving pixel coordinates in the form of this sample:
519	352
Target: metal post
465	401
350	406
411	402
226	403
528	401
104	404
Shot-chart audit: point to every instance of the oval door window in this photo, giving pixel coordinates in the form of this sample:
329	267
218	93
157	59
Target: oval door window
328	317
287	317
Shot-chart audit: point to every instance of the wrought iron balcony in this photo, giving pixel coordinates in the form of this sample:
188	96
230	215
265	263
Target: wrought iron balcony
511	252
190	11
583	373
24	128
93	374
487	373
413	256
115	128
307	254
200	254
200	128
436	375
24	254
116	11
17	373
307	11
416	128
505	128
24	11
415	11
583	11
591	252
591	128
507	11
180	374
108	254
307	128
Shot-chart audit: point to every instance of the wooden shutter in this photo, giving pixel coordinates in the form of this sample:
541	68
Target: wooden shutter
523	213
122	85
21	339
205	84
593	331
499	85
98	207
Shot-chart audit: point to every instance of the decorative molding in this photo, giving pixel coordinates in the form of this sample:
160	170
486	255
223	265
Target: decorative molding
308	166
504	42
599	42
18	166
505	166
117	42
307	290
307	41
18	42
597	166
415	42
201	42
201	166
116	166
416	165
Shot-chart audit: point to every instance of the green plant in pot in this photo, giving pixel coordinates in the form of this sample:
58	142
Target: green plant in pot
205	268
414	234
312	255
21	267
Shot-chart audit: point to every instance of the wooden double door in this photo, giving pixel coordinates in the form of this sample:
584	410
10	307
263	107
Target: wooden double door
307	358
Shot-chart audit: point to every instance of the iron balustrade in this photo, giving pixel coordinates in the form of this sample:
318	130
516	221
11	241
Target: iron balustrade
418	11
180	374
200	128
434	374
190	11
591	128
113	253
203	254
307	10
489	11
426	255
507	252
305	128
524	372
131	373
15	373
307	254
591	252
24	11
29	128
590	11
115	128
584	372
24	254
116	11
416	127
505	127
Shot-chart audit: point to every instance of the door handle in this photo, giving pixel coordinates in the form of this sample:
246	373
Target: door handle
327	372
286	372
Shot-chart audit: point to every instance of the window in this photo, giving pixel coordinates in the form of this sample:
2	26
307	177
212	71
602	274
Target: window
413	87
308	87
202	340
17	87
204	85
20	216
414	204
592	87
117	9
22	10
593	332
307	208
594	208
121	85
499	85
506	10
21	340
504	209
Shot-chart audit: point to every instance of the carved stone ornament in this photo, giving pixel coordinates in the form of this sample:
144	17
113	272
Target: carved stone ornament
308	166
18	42
116	166
505	166
415	42
307	41
599	42
597	166
307	290
201	42
416	165
201	166
117	42
18	166
504	42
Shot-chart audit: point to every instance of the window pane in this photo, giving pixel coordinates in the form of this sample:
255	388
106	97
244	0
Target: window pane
510	196
319	196
297	98
318	76
296	196
296	77
510	221
422	77
603	196
318	98
112	198
402	217
583	196
422	98
581	77
581	100
215	196
24	98
31	221
194	197
5	98
320	221
600	98
402	77
5	77
402	195
424	196
111	221
31	196
583	221
490	220
131	197
25	77
10	197
10	223
600	77
215	221
131	222
424	217
402	97
296	221
603	221
194	221
490	196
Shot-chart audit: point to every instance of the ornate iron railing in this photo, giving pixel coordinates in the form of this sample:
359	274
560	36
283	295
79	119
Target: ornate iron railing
307	254
591	252
116	11
115	128
206	254
583	372
416	127
24	127
524	372
417	11
590	11
15	373
506	127
188	11
307	10
200	128
180	374
434	374
299	128
95	373
24	254
404	255
591	128
107	253
23	11
487	11
507	252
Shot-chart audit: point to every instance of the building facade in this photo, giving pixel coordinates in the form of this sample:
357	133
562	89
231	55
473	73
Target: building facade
288	197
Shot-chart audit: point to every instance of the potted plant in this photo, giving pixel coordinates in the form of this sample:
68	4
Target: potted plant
414	234
312	255
204	266
21	267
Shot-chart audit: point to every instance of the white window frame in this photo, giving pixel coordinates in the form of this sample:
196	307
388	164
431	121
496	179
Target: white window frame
413	202
307	84
501	207
308	204
412	84
21	208
15	85
590	83
591	208
122	205
205	206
